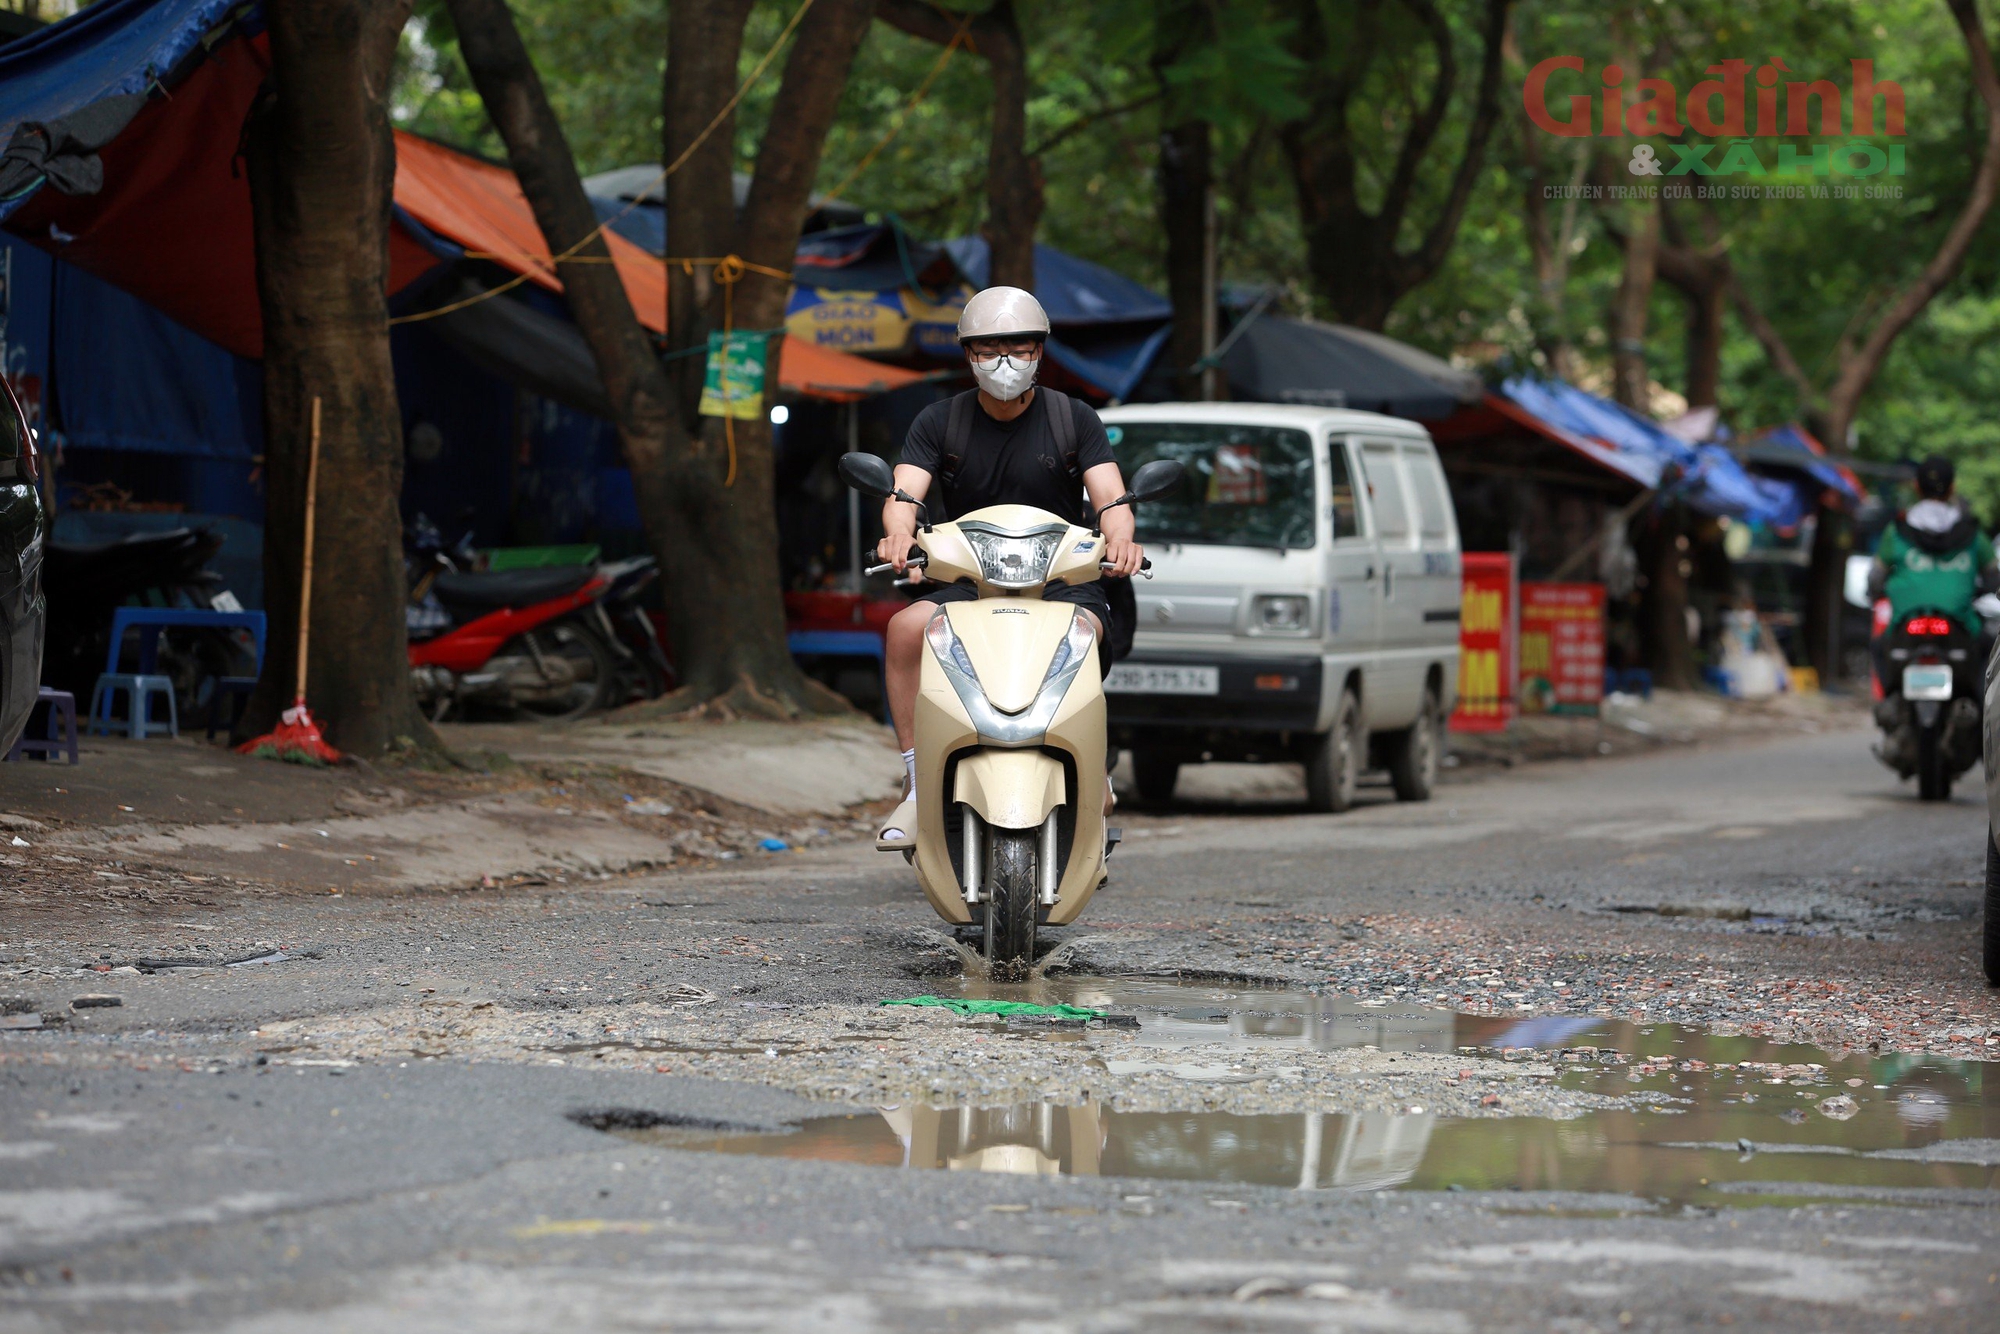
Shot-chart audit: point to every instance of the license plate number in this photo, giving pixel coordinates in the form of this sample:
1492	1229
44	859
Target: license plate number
1145	678
1924	681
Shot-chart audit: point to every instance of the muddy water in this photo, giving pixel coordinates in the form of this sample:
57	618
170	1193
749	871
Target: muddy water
1732	1120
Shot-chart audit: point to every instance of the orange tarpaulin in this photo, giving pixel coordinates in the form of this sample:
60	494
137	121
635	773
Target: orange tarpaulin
481	207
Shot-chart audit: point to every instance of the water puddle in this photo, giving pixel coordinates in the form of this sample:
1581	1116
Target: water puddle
1731	1120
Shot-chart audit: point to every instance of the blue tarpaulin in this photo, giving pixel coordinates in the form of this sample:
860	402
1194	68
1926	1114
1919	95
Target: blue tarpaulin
1708	477
116	48
1789	448
114	373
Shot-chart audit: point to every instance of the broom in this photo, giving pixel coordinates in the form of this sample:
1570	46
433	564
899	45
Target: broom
296	738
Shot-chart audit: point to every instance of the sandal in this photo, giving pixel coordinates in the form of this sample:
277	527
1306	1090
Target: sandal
898	833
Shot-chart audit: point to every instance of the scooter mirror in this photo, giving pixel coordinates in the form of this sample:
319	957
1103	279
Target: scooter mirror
867	474
1158	479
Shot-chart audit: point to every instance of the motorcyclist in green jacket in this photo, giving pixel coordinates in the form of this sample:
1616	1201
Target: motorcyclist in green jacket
1933	557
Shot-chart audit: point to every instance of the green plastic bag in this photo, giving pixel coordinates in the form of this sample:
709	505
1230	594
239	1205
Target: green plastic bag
959	1005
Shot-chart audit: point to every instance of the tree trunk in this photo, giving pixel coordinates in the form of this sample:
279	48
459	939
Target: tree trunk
1663	601
1825	601
1358	266
1013	175
1013	179
321	165
1629	377
704	42
1184	187
706	502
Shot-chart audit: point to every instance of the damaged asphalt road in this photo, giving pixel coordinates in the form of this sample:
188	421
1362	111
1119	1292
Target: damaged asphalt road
391	1127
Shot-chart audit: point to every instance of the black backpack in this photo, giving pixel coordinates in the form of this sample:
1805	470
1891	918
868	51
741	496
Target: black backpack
1124	620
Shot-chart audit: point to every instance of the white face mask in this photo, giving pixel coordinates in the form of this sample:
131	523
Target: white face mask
1004	377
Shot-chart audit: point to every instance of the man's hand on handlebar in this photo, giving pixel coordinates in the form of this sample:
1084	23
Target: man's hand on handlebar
895	551
1122	556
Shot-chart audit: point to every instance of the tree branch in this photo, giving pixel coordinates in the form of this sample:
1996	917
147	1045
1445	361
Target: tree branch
1424	127
1486	114
1773	342
1858	369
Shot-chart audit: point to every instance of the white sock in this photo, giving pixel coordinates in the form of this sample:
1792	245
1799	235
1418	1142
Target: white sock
910	772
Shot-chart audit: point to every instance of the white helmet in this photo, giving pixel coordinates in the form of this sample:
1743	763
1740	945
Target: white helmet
1001	312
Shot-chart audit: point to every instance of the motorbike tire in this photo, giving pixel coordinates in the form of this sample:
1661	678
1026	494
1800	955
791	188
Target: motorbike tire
1414	752
1333	769
1992	911
1155	776
1012	889
1933	774
579	643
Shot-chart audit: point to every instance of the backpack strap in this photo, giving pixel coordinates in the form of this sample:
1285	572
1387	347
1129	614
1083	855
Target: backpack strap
1062	424
957	436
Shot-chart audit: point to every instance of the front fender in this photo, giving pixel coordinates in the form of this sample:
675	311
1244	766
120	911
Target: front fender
1010	789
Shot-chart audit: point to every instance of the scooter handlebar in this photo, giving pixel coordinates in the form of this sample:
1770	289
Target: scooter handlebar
917	561
1145	567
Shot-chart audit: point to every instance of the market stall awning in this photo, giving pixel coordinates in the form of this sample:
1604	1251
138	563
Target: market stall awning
1707	477
1273	359
1793	449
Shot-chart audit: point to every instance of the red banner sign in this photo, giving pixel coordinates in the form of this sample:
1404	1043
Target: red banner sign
1486	628
1562	648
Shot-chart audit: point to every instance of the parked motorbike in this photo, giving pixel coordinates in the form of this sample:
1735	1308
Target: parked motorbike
505	639
1010	730
84	582
1929	713
644	671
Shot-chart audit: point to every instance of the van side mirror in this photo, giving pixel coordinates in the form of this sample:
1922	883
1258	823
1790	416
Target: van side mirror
867	474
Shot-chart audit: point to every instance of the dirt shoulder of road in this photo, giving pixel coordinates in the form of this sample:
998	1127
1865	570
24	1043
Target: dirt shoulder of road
184	823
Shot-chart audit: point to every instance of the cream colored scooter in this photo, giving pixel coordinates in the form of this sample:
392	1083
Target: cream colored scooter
1010	716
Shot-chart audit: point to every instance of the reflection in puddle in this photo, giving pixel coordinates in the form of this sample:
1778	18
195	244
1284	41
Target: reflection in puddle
1738	1120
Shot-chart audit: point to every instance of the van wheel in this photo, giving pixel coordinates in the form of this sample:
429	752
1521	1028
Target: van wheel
1155	775
1334	767
1413	752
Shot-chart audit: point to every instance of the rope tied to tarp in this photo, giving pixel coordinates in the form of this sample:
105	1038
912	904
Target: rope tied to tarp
570	255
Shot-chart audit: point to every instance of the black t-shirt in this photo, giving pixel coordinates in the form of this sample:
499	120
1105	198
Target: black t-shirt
1007	463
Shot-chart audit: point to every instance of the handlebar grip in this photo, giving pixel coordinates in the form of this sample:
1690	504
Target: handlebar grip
917	561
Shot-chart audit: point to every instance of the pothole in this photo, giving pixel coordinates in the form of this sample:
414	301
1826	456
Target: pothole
1701	1120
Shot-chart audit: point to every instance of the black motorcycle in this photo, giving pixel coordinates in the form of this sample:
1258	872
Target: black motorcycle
1930	710
85	582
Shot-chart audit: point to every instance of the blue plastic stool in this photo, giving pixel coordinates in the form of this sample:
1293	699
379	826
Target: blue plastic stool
139	692
61	728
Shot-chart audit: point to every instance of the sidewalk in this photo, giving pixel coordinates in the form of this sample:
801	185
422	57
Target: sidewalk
167	822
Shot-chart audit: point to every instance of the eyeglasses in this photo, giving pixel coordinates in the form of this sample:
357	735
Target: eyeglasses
1004	347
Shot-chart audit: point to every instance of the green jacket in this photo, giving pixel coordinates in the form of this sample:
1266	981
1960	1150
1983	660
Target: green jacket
1942	570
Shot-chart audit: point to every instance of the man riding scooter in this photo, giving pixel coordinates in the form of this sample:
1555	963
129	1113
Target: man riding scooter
1934	555
1932	564
1008	442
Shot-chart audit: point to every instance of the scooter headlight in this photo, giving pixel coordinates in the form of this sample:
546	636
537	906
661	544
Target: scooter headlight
944	642
1075	645
1013	560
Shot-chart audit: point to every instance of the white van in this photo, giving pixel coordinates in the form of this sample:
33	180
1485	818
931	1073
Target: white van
1305	597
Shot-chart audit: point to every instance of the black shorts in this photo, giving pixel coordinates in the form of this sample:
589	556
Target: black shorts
1090	597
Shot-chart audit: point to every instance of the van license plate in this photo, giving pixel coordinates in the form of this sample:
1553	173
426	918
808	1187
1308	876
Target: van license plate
1926	681
1146	678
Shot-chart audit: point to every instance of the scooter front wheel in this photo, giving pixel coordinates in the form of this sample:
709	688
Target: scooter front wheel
1011	893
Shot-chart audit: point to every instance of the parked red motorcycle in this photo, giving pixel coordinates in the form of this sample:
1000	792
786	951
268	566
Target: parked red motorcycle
507	639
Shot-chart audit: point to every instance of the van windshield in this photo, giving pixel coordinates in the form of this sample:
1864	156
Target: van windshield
1246	486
